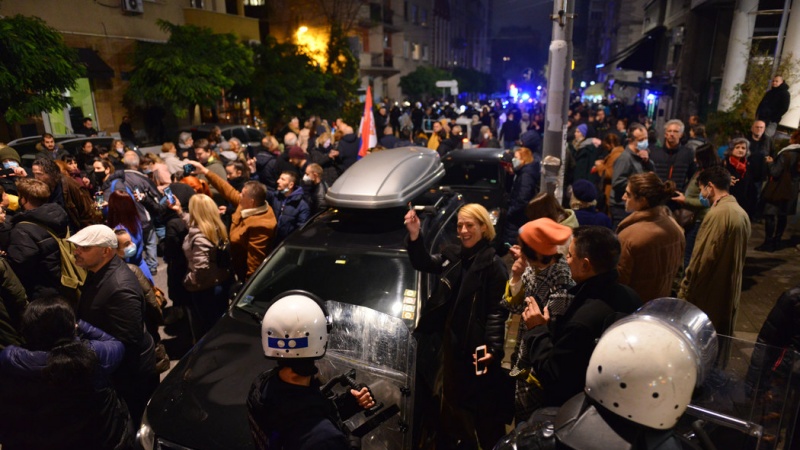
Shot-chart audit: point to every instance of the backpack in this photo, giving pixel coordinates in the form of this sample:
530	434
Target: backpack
72	276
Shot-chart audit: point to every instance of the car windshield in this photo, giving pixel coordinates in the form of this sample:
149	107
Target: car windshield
471	173
380	280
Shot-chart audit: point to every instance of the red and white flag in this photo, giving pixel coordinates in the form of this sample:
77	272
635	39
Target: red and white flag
366	130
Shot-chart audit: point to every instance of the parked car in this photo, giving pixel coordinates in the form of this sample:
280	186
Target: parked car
482	175
74	145
26	147
250	137
352	255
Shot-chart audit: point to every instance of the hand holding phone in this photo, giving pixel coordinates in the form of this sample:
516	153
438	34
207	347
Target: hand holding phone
480	365
170	196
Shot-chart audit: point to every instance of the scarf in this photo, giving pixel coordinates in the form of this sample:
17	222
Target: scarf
739	164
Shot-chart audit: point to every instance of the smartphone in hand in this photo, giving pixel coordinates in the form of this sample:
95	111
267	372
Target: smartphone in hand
170	195
480	367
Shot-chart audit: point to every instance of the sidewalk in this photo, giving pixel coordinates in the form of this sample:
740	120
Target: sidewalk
766	277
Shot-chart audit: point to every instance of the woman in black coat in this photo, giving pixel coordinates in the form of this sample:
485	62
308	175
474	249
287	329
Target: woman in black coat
465	313
743	185
526	186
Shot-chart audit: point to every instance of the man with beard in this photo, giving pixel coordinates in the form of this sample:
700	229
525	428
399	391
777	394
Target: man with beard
67	193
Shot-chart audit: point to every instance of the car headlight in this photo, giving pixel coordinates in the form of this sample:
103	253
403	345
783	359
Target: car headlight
146	437
494	216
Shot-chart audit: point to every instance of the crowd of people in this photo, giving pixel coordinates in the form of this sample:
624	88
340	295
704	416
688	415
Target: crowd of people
643	217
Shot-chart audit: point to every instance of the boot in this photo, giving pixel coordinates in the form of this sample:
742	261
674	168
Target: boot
768	246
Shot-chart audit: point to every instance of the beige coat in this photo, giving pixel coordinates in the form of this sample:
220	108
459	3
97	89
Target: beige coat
713	279
652	252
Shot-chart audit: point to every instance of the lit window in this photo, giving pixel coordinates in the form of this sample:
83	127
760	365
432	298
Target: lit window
415	51
255	2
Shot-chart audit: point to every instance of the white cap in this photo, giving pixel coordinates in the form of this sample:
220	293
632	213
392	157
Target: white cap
95	236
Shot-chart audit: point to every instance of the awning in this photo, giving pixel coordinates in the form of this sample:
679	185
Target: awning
95	66
641	54
597	89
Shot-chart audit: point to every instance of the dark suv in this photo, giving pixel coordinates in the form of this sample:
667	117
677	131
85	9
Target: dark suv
482	175
352	254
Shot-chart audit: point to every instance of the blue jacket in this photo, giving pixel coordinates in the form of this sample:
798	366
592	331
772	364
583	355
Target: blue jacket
292	212
591	216
37	414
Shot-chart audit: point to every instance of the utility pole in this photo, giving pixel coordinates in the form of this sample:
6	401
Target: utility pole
554	142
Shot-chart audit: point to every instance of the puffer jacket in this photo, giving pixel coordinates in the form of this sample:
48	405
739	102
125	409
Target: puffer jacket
201	254
674	164
37	414
33	253
292	211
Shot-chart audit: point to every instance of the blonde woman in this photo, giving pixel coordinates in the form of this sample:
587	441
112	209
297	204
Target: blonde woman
208	276
465	313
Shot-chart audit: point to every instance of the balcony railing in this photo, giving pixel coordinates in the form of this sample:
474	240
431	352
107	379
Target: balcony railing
382	60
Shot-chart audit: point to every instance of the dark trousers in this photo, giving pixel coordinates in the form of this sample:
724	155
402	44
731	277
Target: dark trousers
206	307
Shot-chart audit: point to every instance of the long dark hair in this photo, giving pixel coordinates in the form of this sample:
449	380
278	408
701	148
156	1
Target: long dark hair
48	324
545	205
122	211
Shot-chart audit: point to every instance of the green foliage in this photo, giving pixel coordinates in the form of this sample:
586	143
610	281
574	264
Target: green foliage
422	82
722	125
287	83
341	72
193	67
36	67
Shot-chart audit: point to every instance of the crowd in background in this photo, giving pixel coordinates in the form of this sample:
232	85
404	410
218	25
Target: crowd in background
645	215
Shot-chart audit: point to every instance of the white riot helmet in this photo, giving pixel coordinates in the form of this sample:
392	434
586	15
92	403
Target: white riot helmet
296	325
643	370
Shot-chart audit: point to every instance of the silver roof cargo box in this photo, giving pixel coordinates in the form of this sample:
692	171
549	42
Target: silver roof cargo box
386	179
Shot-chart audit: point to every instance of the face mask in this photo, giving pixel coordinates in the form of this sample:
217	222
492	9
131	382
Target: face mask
120	149
10	165
146	171
285	191
704	201
307	179
642	145
486	136
130	251
516	163
98	177
327	143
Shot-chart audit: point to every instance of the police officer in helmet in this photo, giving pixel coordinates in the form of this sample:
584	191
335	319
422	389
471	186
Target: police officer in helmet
286	409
